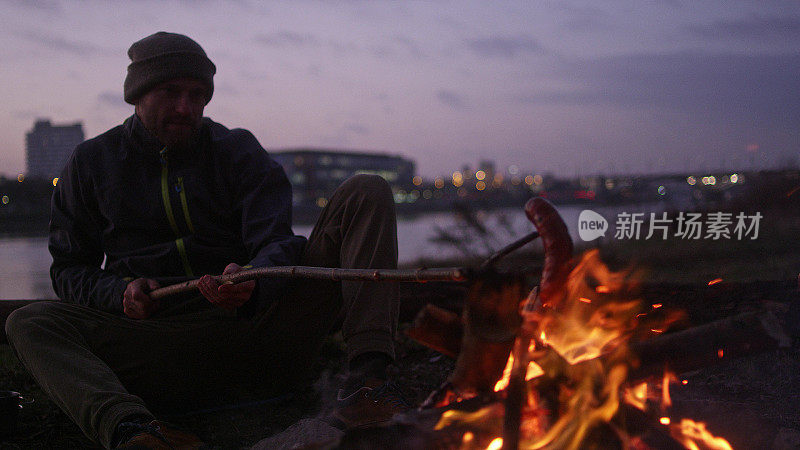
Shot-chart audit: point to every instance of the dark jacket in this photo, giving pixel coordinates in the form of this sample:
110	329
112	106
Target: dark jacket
155	213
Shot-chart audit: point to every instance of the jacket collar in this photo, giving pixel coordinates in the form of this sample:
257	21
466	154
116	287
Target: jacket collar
144	141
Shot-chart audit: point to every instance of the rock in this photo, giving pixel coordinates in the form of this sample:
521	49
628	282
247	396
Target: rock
305	434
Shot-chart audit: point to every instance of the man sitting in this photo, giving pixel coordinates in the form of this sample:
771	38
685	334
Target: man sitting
169	195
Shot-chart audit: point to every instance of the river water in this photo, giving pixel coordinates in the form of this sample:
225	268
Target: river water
24	262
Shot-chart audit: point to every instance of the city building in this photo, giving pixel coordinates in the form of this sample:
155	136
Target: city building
316	173
47	147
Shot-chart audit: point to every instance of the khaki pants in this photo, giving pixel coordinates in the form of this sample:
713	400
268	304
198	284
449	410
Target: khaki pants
99	367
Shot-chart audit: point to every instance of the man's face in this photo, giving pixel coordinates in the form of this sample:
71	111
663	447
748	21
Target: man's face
173	109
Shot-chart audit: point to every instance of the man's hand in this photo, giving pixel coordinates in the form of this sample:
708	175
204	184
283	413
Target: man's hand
136	302
229	296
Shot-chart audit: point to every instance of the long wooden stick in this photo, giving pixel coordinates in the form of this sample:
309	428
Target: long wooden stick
519	243
335	274
517	387
325	273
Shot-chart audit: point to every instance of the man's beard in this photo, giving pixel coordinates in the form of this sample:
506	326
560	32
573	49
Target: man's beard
178	138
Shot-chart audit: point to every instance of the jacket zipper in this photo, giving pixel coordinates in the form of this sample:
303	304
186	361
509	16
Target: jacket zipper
184	204
170	216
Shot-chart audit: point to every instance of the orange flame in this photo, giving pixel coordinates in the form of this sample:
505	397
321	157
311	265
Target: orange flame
581	328
691	433
532	371
636	396
715	281
595	316
666	400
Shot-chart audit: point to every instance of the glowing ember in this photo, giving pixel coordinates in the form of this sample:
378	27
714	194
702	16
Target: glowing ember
496	444
657	305
715	281
720	353
664	421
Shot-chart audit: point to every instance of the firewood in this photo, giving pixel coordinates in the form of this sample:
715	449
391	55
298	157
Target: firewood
708	344
438	329
491	321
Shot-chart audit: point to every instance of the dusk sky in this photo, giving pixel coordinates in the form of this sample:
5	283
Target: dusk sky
567	87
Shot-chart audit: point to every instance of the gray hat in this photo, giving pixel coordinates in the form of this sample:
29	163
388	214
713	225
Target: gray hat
164	56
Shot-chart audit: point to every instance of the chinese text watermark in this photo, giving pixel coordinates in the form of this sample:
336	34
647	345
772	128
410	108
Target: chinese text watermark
637	226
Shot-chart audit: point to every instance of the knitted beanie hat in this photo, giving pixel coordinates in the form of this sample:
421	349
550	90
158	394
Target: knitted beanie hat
164	56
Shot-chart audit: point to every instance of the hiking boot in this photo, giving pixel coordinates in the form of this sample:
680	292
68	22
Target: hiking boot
157	436
374	404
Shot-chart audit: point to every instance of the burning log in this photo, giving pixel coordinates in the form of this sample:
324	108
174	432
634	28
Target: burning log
438	329
491	322
708	344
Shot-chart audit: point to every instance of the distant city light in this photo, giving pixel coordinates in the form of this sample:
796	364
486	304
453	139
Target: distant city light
515	181
458	179
55	181
480	185
662	190
417	180
427	194
609	184
21	178
322	201
537	180
691	180
709	180
529	180
439	183
498	180
513	169
734	178
6	199
480	175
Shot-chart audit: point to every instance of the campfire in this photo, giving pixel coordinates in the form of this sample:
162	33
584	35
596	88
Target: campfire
581	361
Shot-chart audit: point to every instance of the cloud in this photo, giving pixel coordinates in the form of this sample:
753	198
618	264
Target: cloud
58	43
356	128
451	99
287	39
753	27
45	5
409	45
114	99
504	46
727	87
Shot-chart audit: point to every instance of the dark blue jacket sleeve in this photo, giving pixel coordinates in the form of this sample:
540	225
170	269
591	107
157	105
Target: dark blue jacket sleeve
265	196
76	248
